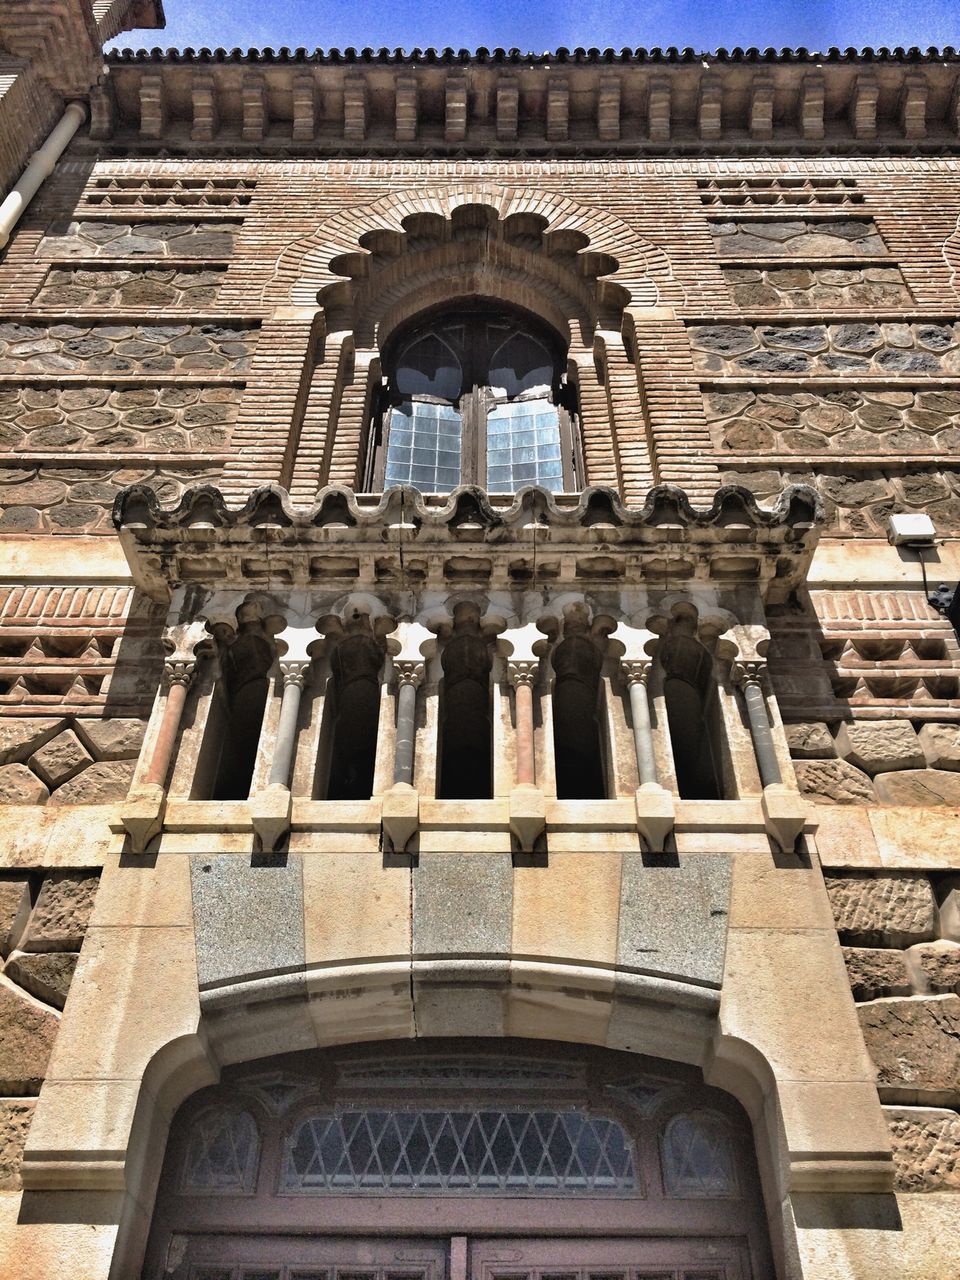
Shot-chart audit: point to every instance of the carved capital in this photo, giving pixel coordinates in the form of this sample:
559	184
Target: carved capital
294	671
520	672
179	671
408	673
636	671
749	673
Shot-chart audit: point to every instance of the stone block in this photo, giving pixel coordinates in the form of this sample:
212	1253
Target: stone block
926	1148
62	914
915	1046
882	910
14	910
833	782
845	837
463	904
20	738
20	785
880	746
567	908
15	1117
941	745
355	908
112	739
948	894
248	915
876	972
919	787
935	966
910	837
27	1033
103	783
673	920
59	759
812	741
46	975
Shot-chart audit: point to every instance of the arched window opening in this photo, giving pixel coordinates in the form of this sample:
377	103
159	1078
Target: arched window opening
577	741
475	396
245	666
690	696
223	1153
353	702
466	761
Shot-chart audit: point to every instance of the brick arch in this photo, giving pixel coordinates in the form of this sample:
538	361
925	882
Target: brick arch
644	270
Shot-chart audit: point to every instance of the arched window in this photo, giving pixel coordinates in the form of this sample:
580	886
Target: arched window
237	734
475	397
466	768
354	710
576	727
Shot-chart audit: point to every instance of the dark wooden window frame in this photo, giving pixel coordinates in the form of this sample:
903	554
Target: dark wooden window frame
476	399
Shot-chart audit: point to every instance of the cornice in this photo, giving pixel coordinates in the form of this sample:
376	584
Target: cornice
404	538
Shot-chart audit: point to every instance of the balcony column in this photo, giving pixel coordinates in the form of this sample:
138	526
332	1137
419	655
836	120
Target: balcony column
409	645
749	676
636	674
294	675
520	647
522	676
409	679
142	813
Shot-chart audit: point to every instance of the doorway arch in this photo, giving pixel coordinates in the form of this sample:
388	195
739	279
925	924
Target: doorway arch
467	1160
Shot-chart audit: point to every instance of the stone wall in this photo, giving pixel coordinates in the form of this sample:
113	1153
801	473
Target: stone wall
43	920
857	420
182	288
901	943
114	239
125	348
797	237
806	288
143	419
824	349
877	761
67	760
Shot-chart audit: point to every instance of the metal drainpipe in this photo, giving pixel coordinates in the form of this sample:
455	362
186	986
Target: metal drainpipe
40	166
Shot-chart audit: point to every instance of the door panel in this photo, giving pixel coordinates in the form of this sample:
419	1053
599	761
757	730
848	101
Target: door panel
275	1257
716	1258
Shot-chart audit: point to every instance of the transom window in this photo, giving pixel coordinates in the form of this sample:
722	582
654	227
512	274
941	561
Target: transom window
475	397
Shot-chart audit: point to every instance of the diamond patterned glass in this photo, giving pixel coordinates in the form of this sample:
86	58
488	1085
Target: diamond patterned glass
223	1153
459	1152
423	447
523	446
698	1158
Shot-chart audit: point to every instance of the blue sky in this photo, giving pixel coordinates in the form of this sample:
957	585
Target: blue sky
537	25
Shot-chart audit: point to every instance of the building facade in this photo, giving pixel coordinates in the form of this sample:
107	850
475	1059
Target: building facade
479	701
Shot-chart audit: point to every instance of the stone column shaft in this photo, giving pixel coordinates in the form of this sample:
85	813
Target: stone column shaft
180	676
750	675
637	674
409	675
294	678
522	675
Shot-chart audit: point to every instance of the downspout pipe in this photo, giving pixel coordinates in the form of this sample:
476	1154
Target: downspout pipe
40	167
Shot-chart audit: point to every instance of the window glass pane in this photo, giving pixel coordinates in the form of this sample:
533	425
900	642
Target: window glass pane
697	1157
451	1152
223	1153
429	368
423	447
523	446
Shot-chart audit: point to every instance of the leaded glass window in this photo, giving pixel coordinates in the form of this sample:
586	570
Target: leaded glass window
448	1152
476	397
223	1153
697	1157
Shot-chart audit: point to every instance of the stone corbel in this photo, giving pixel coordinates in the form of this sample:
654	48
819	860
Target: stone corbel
408	646
521	647
142	812
656	812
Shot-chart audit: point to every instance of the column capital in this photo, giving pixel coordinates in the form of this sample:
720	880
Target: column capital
522	672
294	671
178	670
408	672
749	672
636	670
184	644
